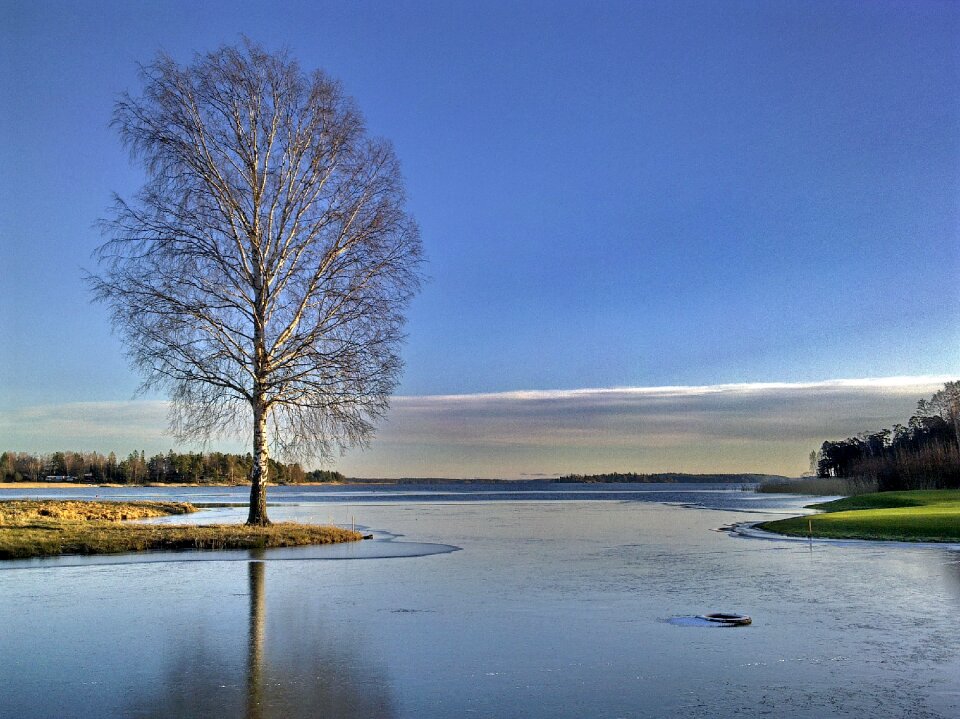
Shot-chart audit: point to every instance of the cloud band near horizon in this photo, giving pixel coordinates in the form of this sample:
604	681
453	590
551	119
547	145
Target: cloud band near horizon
756	427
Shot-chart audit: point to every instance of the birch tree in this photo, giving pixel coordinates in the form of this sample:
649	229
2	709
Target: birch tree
261	274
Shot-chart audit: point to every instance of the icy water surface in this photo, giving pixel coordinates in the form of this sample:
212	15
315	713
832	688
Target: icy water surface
557	604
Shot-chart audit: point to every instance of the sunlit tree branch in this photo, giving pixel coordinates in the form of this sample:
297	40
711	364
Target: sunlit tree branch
261	274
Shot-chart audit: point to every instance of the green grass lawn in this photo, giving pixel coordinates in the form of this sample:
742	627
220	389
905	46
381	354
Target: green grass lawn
919	516
40	528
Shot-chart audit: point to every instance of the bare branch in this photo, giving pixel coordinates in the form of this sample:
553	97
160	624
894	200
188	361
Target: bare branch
262	271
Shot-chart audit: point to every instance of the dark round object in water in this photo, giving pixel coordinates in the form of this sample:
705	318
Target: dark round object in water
730	620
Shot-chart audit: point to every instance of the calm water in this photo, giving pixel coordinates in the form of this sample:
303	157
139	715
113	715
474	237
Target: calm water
549	602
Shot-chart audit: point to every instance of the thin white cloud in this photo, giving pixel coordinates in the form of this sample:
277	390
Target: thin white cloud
87	420
116	426
728	427
764	427
902	383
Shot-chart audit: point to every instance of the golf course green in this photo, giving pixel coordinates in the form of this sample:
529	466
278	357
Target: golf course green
929	515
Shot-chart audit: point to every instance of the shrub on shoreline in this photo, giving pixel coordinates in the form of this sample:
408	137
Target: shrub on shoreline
820	486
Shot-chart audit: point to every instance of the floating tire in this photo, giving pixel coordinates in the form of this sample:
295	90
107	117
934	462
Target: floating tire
728	620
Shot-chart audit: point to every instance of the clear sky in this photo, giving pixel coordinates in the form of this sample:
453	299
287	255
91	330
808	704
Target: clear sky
611	195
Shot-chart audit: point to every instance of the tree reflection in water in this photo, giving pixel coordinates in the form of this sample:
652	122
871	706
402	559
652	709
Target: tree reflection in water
255	578
302	674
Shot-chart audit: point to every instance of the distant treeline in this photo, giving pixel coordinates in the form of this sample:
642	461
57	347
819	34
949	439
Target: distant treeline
923	454
136	468
667	478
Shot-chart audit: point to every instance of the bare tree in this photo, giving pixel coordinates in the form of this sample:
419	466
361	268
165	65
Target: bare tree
261	274
946	405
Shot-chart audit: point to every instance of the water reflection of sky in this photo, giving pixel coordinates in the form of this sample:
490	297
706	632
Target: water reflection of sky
552	609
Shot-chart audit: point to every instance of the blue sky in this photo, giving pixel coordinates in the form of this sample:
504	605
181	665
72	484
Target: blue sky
610	194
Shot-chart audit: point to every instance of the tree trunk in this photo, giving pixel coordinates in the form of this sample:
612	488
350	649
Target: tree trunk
259	472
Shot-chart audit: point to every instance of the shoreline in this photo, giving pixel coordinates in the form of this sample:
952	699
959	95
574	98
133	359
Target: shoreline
33	528
752	530
84	485
925	516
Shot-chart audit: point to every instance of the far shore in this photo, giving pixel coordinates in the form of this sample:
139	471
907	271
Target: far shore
592	480
81	485
44	485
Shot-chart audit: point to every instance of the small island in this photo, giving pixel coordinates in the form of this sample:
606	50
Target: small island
44	528
931	515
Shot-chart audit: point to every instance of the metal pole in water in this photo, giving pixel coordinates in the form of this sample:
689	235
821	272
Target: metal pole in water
810	531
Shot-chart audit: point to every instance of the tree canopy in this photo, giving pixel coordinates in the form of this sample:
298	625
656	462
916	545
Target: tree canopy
923	454
261	274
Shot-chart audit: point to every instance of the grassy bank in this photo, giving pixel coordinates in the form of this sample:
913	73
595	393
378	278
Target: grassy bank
31	528
916	516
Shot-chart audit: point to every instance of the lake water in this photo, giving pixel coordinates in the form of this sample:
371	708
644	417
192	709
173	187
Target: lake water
487	601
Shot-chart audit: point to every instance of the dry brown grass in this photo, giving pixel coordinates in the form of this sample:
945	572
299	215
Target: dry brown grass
49	528
24	511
